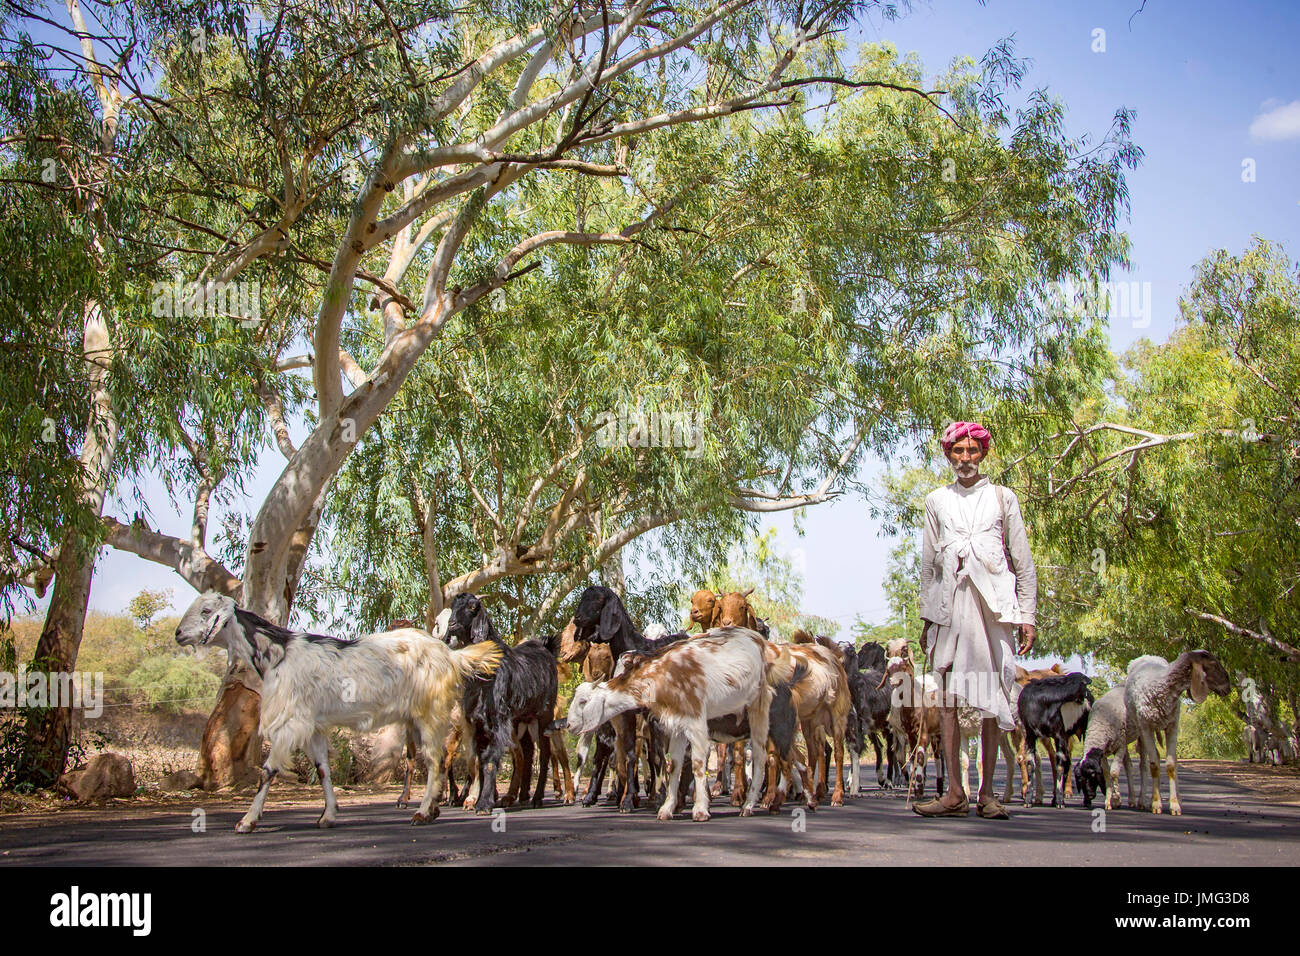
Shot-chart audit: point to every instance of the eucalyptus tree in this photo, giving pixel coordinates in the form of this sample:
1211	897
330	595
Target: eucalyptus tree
1168	497
377	172
796	308
60	147
97	383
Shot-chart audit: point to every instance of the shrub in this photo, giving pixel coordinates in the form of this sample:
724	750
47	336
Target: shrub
175	682
1212	730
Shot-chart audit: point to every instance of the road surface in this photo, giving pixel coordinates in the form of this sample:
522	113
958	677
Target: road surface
1223	823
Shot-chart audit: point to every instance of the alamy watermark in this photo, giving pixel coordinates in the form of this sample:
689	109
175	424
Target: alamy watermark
238	300
637	428
1119	299
978	689
80	689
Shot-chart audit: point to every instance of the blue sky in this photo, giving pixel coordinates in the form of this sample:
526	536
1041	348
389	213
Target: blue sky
1213	85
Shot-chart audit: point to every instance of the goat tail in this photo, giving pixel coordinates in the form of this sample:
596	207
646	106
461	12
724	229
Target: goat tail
778	664
480	659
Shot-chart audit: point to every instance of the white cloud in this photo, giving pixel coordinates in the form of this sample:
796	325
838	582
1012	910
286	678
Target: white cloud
1277	121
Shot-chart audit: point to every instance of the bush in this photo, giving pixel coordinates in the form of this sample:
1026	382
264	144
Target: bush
1212	730
175	682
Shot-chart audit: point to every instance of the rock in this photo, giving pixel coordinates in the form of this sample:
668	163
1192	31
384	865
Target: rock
105	775
181	780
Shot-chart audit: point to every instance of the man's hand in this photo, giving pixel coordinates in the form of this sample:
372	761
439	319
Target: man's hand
1027	635
924	626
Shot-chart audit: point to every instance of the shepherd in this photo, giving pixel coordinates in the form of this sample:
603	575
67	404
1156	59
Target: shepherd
979	592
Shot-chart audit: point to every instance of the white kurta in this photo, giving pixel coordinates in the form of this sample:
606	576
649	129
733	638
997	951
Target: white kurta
976	592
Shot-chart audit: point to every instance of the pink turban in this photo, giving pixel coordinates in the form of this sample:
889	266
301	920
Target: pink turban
959	430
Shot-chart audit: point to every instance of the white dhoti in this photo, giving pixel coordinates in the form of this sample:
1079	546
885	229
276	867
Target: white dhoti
974	598
978	653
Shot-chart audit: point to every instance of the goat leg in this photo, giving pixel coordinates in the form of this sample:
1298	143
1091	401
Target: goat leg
600	764
740	784
432	739
676	757
721	784
409	765
560	762
543	759
318	749
1062	765
525	773
837	797
249	822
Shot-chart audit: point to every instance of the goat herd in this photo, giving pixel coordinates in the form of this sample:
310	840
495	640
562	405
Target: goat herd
466	697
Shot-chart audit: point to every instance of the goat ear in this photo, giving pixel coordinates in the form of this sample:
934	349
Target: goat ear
609	618
480	628
1199	690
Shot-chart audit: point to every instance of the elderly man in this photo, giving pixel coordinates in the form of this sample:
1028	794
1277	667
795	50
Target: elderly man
978	591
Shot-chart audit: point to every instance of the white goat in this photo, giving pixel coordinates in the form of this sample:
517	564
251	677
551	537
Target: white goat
726	672
1105	744
312	683
1152	693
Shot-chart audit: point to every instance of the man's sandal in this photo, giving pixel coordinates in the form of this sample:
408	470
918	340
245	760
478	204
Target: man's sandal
935	808
990	809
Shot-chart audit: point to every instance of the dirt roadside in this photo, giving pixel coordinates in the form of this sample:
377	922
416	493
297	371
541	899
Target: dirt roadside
1276	785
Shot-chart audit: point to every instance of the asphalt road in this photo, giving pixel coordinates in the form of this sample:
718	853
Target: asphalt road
1222	824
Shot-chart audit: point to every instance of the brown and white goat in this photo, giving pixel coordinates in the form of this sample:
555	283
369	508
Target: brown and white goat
914	713
722	673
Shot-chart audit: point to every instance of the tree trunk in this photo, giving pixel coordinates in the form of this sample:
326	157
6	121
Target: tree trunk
231	751
49	733
48	736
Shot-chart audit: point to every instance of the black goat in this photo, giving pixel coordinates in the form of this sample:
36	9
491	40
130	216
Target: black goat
521	693
1055	708
601	618
871	703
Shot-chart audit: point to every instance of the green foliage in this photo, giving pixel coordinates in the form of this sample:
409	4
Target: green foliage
145	605
1172	523
1212	730
809	280
175	682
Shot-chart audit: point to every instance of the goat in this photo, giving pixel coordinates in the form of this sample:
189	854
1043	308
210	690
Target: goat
824	702
601	618
914	714
522	691
704	607
1056	708
730	609
1106	739
1013	742
1152	692
597	663
312	683
871	704
721	673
